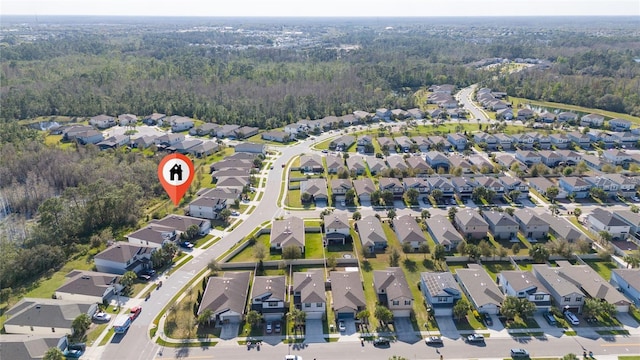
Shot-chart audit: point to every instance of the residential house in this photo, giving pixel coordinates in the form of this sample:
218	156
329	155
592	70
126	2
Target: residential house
339	188
211	202
364	188
443	232
295	129
268	296
443	184
604	183
488	140
30	347
317	189
45	316
567	116
355	163
362	116
206	129
336	228
437	160
154	119
439	143
376	165
618	124
483	293
504	113
397	162
309	294
387	144
393	291
311	163
525	114
342	143
182	223
541	185
393	185
524	285
403	143
444	88
184	146
512	184
628	282
570	157
276	135
347	294
383	114
127	120
180	123
89	287
226	297
122	257
560	141
167	140
478	163
547	117
287	232
418	164
204	149
458	161
88	137
419	184
592	120
550	158
102	121
528	157
245	132
251	148
508	161
463	186
533	227
408	231
605	139
114	142
501	225
561	228
441	292
616	157
371	234
227	131
232	163
626	139
422	143
471	224
602	220
490	183
630	218
364	144
152	235
459	141
574	186
504	141
415	114
580	139
335	163
143	142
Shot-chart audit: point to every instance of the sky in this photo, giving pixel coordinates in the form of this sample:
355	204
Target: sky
323	8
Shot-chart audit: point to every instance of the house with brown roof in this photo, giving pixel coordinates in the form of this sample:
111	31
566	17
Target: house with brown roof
471	224
356	163
376	165
311	163
317	189
408	231
226	297
334	163
287	232
482	291
532	226
397	162
309	293
393	291
418	164
364	188
347	294
339	188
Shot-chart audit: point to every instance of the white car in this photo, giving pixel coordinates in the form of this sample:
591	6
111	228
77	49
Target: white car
341	326
572	318
235	213
101	316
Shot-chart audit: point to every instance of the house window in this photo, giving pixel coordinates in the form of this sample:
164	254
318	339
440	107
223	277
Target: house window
579	298
319	304
567	299
307	305
407	302
442	299
539	297
396	302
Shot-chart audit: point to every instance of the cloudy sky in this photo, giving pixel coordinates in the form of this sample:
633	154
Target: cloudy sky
321	7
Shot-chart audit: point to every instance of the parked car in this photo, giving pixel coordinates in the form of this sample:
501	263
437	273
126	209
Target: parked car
77	346
149	272
341	326
269	327
572	318
519	353
72	354
487	319
381	341
475	338
101	316
186	244
135	312
551	320
144	277
235	213
278	327
434	340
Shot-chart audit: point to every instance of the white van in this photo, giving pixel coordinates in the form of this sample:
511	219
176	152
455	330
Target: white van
572	318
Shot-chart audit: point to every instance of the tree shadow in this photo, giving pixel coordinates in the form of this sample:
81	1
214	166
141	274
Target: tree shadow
410	265
366	266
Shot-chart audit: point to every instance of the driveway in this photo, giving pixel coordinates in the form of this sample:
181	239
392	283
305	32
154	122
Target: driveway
350	326
229	331
404	330
313	331
447	327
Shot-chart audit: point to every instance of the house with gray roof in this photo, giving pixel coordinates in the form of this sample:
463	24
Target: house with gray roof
89	286
418	164
252	148
309	293
397	162
356	163
393	291
443	232
481	290
630	218
408	231
403	143
277	136
524	285
376	165
184	146
560	141
542	184
626	184
458	161
511	184
364	188
268	296
339	188
603	220
335	163
419	184
437	160
471	224
182	223
441	183
463	186
122	257
211	202
574	186
342	143
627	281
30	347
45	316
533	227
226	297
582	140
317	189
391	184
422	143
336	228
592	120
565	292
311	163
153	235
347	294
501	225
372	236
227	130
386	143
102	121
459	141
562	228
287	232
441	292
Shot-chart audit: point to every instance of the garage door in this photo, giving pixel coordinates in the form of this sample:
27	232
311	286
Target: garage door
345	315
401	313
442	311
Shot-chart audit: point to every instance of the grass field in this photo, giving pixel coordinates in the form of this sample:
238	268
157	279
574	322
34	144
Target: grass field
516	101
313	248
603	268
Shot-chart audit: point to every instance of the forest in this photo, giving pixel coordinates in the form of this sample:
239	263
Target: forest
271	73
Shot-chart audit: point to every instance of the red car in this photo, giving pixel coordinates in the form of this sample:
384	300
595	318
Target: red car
135	311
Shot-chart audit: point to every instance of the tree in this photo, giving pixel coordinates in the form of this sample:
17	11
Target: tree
502	252
214	266
391	214
437	194
305	197
510	211
515	248
583	246
80	325
461	308
605	236
424	248
439	252
539	253
472	250
259	251
451	213
128	279
383	314
598	193
577	212
54	353
485	249
363	316
411	196
205	317
552	193
514	195
332	261
224	215
394	257
357	216
291	252
633	259
513	307
254	318
425	214
570	356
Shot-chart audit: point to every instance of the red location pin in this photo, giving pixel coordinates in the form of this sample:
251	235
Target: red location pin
176	172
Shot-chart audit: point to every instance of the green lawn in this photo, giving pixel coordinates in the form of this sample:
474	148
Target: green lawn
93	334
494	268
46	287
567	107
247	253
313	248
603	268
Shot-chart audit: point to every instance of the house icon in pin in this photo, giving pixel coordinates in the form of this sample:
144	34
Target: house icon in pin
176	170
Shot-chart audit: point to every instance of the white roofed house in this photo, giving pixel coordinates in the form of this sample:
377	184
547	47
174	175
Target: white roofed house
483	293
287	232
524	285
409	231
309	293
393	291
268	297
